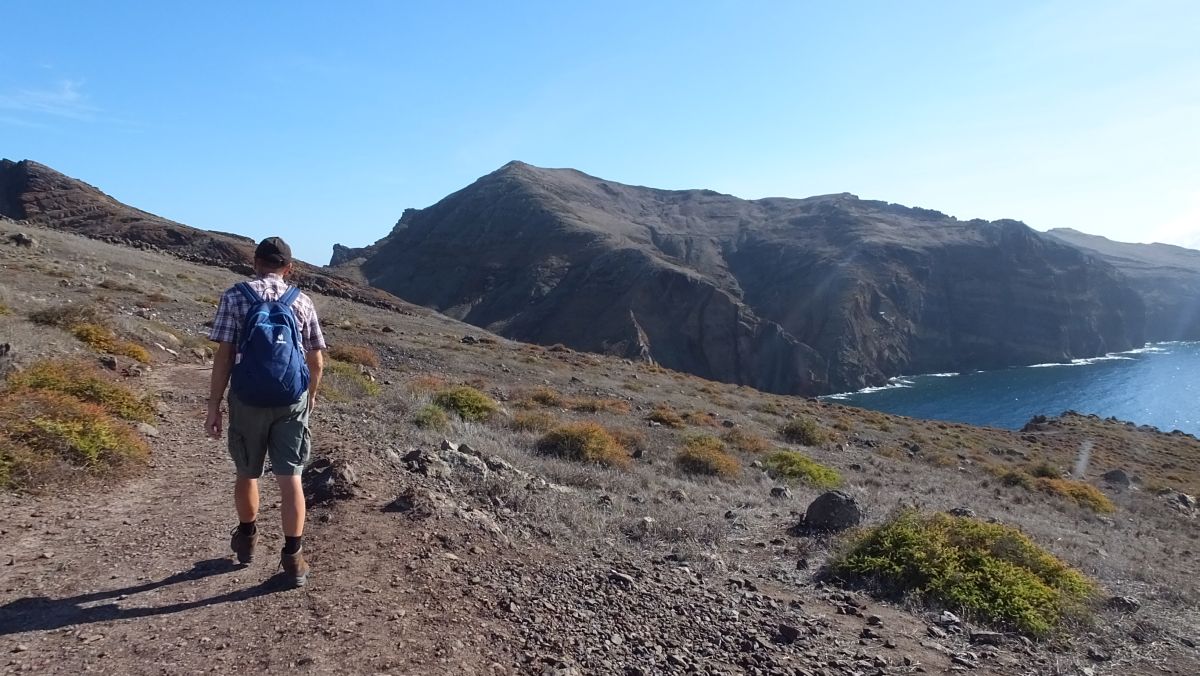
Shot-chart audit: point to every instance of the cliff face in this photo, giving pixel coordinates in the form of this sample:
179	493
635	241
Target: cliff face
38	194
809	296
1166	276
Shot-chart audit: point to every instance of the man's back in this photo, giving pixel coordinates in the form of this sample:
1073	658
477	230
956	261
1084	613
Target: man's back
233	307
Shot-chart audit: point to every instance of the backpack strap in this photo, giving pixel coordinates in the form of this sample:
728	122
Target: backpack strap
249	292
290	296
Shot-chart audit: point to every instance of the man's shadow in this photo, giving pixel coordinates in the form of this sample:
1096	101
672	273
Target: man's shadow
40	613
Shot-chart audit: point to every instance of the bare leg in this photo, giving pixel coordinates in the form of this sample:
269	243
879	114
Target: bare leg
291	497
245	498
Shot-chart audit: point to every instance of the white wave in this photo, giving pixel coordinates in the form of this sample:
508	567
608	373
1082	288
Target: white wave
1094	360
1149	349
941	375
1053	363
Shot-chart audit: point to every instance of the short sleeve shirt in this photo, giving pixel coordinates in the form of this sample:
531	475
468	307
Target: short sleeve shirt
233	308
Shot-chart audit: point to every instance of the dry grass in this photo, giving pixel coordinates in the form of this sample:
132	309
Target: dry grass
88	325
665	415
746	442
342	382
803	431
50	437
362	355
426	384
706	455
83	380
586	442
533	421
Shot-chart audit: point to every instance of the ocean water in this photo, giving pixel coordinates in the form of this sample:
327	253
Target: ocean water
1156	385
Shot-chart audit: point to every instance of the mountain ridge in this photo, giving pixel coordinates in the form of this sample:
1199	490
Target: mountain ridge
705	282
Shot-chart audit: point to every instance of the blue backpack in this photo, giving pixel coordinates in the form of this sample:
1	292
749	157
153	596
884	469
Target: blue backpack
270	370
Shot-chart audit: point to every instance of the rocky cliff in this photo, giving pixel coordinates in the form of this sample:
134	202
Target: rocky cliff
1166	276
814	295
37	194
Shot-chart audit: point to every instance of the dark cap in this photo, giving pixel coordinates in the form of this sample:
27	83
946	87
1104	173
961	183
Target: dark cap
275	251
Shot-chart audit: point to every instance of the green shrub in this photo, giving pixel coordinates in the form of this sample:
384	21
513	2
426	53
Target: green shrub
84	381
990	572
584	442
469	403
432	418
804	431
1044	470
1015	477
346	382
799	467
48	436
707	455
1083	494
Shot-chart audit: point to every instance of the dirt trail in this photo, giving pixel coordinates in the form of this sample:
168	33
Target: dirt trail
135	578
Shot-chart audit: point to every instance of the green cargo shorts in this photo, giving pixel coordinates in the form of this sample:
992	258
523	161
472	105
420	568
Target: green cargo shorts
281	431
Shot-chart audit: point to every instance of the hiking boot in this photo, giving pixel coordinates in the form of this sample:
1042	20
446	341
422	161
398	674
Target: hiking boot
242	544
295	568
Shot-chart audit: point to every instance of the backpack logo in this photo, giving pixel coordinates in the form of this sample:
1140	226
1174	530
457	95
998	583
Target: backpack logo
270	370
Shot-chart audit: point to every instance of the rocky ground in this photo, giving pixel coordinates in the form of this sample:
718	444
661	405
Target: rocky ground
478	556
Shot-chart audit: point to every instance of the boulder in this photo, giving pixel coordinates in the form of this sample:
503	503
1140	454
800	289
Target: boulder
427	463
833	511
781	492
326	480
962	511
1117	477
1123	604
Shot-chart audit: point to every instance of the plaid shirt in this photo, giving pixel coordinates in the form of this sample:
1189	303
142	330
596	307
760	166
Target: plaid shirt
232	310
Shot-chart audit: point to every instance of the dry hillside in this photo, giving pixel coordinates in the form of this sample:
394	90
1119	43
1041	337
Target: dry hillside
665	542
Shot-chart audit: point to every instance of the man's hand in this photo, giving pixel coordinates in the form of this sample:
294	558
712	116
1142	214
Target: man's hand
312	402
212	424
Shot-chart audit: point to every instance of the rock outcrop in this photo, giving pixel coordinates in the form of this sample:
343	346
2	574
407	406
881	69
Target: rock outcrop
37	194
1166	276
816	295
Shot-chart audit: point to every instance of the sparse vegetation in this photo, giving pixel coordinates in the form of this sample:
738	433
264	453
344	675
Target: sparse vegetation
102	339
84	381
543	396
361	355
48	436
1081	493
469	403
799	467
431	417
533	421
804	431
88	325
706	455
584	442
665	415
617	406
991	572
346	382
746	442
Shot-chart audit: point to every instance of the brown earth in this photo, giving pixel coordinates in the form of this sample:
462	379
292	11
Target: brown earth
494	559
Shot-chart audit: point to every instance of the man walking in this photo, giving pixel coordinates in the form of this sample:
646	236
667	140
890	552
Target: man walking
269	342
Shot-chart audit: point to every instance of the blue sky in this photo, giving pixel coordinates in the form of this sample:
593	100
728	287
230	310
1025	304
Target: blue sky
322	124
